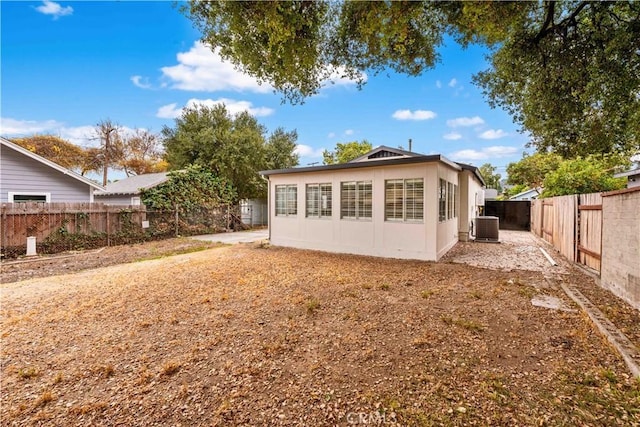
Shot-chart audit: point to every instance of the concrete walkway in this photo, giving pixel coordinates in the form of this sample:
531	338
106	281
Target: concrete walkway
235	237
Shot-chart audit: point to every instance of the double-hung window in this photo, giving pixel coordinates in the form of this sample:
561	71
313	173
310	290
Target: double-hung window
318	200
286	200
404	199
356	199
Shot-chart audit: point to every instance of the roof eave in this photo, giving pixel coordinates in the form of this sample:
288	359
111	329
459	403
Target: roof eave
389	161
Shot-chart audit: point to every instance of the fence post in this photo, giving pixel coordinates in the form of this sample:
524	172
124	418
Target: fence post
106	212
177	218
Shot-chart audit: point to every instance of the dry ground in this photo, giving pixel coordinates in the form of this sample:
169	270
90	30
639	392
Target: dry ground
251	336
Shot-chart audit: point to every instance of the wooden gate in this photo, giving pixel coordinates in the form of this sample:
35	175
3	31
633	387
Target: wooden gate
572	224
589	230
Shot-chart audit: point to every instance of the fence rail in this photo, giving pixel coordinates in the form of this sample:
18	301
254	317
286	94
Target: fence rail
67	226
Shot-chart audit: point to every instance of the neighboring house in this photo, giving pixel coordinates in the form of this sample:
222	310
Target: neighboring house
389	202
527	194
632	175
28	177
127	191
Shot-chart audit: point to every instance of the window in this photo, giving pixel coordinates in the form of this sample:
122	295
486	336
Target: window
449	200
286	200
28	196
404	199
355	199
135	201
442	200
319	200
455	201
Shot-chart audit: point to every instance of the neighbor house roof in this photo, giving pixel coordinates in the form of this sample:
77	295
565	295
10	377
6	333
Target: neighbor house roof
632	172
380	156
133	184
8	144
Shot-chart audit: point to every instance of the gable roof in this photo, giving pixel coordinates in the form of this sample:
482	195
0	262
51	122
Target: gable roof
133	184
8	144
382	152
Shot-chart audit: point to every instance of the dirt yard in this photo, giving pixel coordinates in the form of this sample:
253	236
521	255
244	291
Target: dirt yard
248	335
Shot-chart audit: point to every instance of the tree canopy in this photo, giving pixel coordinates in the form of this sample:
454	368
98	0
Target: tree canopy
568	72
56	149
491	178
531	170
345	152
233	148
591	174
558	176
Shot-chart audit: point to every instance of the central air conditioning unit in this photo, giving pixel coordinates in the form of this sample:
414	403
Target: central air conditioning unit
486	228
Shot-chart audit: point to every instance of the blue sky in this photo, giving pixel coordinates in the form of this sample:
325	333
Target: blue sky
68	65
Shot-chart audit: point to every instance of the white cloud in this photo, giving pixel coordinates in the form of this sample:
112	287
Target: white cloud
307	151
348	132
13	127
171	111
202	69
493	134
54	9
413	115
331	135
453	83
452	136
465	121
498	151
438	84
141	82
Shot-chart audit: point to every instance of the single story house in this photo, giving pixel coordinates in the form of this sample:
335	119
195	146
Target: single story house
388	202
127	190
28	177
530	194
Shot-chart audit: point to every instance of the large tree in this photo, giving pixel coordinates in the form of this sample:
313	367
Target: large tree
592	174
346	151
531	170
56	149
234	147
142	153
567	71
491	178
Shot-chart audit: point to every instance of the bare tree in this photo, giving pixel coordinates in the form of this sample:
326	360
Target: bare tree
111	147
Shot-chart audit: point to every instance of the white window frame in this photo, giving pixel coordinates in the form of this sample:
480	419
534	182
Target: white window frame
399	205
442	200
290	207
362	198
320	206
136	201
12	194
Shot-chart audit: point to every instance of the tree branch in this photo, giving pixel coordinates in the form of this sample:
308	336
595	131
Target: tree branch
548	26
551	7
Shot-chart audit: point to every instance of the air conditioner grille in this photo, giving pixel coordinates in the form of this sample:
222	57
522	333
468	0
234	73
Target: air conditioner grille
486	228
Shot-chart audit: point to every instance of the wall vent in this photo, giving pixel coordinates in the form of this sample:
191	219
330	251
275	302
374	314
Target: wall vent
486	228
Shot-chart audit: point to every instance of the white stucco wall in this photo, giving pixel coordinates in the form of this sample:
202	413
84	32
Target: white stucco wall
469	187
426	240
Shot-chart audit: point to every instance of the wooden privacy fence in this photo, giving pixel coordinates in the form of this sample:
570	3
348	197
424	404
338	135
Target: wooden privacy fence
69	226
572	224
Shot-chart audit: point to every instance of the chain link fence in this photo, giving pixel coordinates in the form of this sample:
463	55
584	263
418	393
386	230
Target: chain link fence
60	227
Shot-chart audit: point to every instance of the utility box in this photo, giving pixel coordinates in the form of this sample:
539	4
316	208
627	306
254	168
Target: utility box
31	246
486	228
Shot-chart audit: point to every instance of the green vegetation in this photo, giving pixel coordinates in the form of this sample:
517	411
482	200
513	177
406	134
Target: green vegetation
233	149
345	152
566	71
